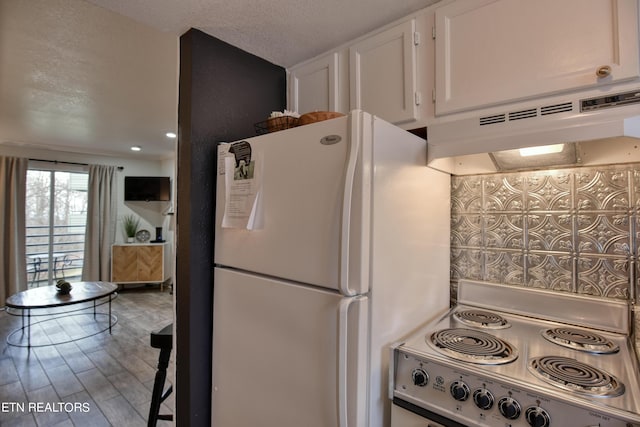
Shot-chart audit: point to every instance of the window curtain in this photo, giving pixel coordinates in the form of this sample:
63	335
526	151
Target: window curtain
101	221
13	190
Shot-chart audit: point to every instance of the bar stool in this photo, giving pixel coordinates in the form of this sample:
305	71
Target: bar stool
162	339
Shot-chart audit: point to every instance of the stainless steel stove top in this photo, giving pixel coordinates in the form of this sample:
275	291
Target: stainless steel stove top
522	365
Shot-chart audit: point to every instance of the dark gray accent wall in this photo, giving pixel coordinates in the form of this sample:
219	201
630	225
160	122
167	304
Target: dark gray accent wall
223	91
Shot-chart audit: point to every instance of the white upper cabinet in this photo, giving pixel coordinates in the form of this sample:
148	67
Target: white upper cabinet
382	74
314	86
490	52
385	72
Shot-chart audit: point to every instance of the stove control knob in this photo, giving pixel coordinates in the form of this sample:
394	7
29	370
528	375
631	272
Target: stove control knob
420	377
460	391
509	408
483	398
537	417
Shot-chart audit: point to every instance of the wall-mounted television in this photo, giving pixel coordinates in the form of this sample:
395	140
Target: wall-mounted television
147	188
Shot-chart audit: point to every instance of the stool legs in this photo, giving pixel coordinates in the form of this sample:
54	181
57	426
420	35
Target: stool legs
158	397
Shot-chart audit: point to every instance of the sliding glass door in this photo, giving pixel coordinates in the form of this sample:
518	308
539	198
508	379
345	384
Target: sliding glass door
55	225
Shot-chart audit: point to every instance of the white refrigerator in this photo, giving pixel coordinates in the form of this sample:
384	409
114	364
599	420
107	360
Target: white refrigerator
335	244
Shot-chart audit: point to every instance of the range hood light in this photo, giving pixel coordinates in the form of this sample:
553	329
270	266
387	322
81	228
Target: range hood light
550	155
544	149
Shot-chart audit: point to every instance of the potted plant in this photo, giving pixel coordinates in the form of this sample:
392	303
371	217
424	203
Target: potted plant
130	224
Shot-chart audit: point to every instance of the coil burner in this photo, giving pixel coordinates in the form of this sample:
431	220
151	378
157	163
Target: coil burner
473	346
481	319
569	374
578	339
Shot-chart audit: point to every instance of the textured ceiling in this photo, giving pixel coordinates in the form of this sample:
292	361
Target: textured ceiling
75	77
284	32
99	76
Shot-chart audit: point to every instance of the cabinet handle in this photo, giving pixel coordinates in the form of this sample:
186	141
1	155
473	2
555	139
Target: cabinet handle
603	71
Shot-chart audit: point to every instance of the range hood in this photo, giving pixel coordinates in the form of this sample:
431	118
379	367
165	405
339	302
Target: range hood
577	119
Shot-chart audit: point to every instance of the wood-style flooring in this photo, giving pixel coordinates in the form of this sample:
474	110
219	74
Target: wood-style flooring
102	380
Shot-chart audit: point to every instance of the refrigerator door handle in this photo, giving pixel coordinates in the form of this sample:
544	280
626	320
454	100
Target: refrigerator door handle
344	402
343	340
354	149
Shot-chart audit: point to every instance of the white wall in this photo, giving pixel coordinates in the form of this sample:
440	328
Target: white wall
152	214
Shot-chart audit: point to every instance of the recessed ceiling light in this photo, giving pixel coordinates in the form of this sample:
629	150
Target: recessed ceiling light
136	148
171	135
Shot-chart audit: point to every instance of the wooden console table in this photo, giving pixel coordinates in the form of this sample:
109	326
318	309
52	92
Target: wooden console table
140	263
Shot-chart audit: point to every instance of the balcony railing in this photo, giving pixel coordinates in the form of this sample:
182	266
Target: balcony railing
67	253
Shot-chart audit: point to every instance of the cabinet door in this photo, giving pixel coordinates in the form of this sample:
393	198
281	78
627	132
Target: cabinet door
150	263
383	74
124	264
490	52
314	85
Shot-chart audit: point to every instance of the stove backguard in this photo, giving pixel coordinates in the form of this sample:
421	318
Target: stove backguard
598	313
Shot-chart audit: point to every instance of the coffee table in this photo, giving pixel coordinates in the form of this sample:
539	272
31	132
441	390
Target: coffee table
47	297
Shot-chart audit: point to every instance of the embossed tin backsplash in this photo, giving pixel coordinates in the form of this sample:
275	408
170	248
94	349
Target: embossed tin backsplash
570	230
